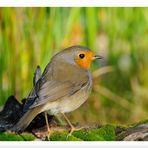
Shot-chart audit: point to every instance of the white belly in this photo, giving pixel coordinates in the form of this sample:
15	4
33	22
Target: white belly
67	104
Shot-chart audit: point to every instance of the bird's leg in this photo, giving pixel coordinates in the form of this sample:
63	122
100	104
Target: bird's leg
47	124
72	127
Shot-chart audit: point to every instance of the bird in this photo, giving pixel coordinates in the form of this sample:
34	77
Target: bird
64	86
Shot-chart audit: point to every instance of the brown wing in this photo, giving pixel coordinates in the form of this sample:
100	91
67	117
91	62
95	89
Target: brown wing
57	82
53	90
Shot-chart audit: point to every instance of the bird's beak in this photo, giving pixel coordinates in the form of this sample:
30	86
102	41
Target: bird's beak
97	57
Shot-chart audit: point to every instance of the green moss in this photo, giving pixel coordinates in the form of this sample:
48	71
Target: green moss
15	137
28	137
105	133
120	126
63	136
87	135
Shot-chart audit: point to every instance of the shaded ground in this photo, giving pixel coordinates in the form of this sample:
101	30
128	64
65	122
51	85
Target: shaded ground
37	130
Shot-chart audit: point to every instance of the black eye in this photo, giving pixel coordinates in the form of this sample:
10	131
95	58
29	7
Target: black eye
81	56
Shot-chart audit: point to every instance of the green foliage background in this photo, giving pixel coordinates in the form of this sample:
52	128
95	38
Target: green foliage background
30	36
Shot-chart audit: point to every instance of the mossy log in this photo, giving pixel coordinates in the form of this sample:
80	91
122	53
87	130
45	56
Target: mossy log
138	132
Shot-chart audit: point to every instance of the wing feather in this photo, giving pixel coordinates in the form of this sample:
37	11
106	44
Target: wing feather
53	90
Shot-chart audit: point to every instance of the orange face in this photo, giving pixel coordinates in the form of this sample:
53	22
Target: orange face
84	59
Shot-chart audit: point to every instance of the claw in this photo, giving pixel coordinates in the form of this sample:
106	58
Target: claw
73	129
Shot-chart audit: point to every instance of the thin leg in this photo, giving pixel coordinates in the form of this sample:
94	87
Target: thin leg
72	127
68	120
46	119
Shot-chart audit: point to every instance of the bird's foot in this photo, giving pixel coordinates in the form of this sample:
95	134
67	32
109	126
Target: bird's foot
73	129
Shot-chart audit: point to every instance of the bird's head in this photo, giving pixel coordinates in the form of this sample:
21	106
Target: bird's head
78	55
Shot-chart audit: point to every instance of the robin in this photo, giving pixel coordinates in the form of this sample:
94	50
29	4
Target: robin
63	87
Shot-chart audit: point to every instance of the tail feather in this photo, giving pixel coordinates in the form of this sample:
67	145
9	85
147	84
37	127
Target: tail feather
26	119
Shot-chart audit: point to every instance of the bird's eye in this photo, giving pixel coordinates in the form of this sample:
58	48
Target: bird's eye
81	56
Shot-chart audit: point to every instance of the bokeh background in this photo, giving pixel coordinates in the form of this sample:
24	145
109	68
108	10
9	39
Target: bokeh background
30	36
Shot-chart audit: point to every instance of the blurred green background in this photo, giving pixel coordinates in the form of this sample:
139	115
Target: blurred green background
30	36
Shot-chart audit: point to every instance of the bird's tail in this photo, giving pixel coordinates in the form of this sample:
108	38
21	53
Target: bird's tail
26	119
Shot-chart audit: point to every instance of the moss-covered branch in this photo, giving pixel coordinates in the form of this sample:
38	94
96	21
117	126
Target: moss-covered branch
108	132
